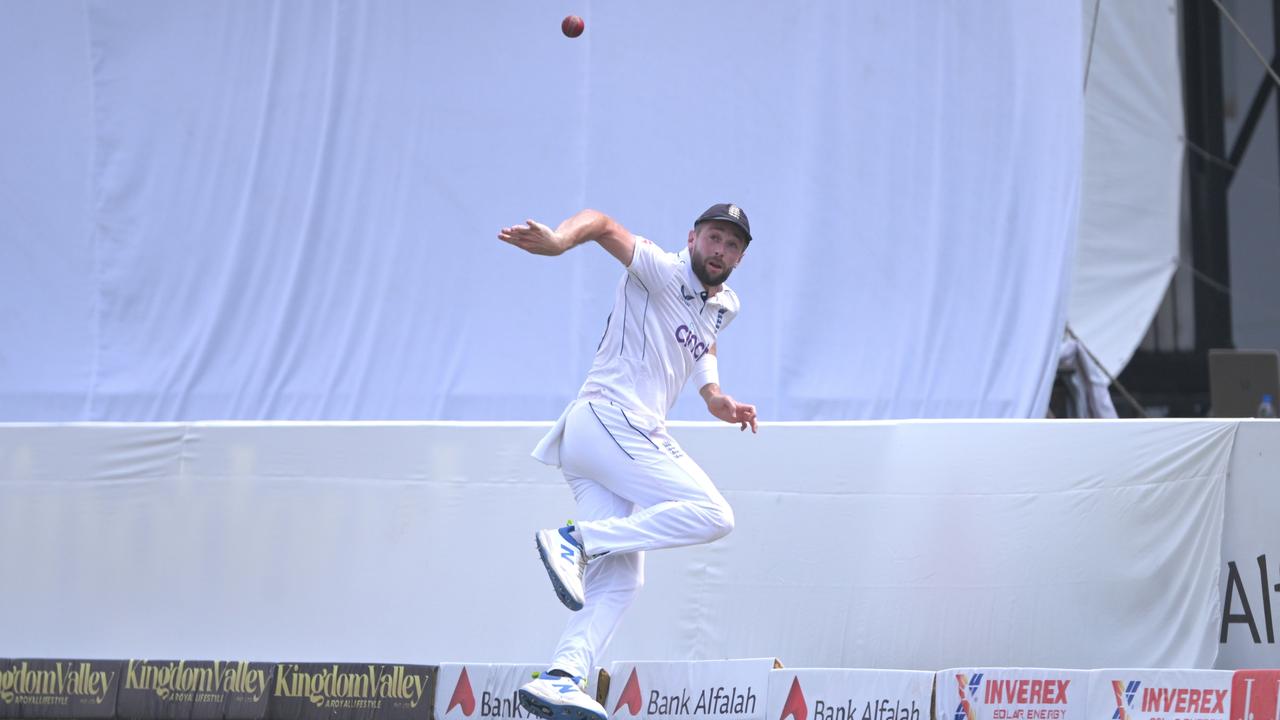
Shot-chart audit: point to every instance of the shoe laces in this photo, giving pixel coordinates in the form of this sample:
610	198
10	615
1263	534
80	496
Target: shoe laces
578	682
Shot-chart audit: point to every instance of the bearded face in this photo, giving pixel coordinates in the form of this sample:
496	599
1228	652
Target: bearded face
715	249
710	271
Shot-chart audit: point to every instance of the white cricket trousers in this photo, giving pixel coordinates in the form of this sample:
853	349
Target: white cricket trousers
635	491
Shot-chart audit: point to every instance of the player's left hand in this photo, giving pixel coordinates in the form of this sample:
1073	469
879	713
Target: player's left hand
732	411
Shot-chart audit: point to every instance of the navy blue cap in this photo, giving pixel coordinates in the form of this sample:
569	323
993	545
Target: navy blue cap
727	212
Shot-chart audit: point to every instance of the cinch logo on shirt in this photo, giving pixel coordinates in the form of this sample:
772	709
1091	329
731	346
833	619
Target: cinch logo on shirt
689	339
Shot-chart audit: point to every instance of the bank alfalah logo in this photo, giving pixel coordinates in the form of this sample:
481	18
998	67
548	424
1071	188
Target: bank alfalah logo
462	695
630	697
795	707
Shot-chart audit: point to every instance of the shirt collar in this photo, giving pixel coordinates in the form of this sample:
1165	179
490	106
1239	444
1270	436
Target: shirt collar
691	280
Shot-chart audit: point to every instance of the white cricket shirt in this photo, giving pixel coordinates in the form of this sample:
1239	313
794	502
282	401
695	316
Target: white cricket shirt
662	324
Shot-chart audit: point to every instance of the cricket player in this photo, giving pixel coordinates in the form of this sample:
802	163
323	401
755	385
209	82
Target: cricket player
635	488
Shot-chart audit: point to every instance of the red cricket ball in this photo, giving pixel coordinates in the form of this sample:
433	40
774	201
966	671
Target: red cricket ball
572	26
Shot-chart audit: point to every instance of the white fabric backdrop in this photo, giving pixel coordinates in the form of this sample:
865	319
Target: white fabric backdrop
47	299
1251	540
287	210
911	545
1132	176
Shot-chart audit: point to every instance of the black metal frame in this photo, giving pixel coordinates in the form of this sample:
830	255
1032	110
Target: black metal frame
1202	90
1260	97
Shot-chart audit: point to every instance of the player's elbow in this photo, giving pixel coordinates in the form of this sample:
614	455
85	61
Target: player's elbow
602	226
597	221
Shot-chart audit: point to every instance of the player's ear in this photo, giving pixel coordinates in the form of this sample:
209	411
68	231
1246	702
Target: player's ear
691	236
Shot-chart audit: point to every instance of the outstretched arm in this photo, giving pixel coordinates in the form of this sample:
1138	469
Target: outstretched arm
721	405
586	225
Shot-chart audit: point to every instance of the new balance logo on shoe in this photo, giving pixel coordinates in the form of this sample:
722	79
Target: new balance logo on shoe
562	556
560	698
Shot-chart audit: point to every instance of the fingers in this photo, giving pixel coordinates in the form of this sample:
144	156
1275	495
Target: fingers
518	231
732	411
531	229
533	237
513	236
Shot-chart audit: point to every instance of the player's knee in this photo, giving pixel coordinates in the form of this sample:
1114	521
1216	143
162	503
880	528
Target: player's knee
721	521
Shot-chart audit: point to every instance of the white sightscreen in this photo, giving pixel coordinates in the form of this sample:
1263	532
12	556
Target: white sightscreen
907	544
288	210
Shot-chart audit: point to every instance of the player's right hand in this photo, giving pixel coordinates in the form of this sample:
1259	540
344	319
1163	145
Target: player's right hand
534	237
732	411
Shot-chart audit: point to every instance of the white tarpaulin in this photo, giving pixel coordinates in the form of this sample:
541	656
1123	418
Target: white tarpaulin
909	545
283	210
1250	626
1131	189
